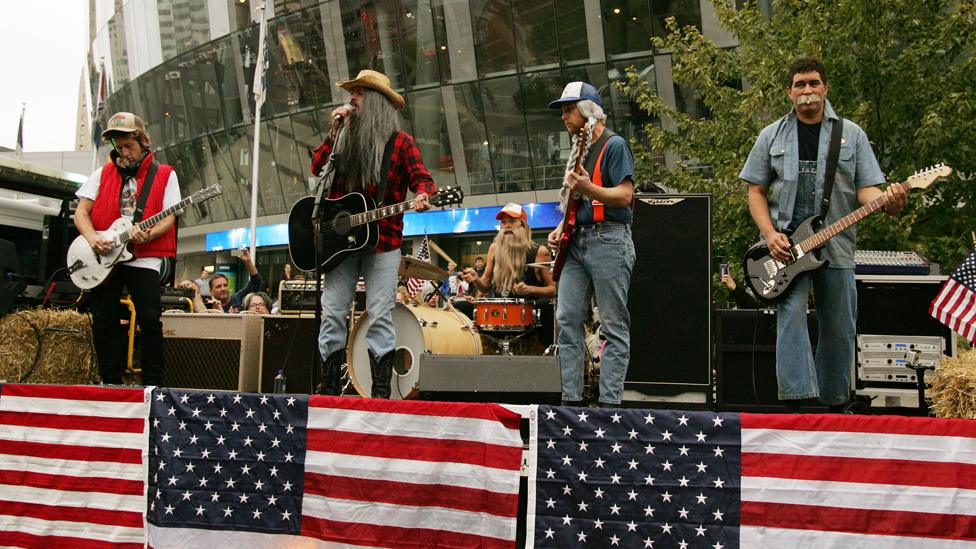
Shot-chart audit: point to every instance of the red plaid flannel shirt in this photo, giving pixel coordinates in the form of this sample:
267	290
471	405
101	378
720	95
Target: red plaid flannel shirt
406	171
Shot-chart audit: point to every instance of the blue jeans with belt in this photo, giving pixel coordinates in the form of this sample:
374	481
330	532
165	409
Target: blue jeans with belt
600	260
828	376
379	270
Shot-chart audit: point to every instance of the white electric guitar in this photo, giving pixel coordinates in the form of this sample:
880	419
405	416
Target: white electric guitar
88	269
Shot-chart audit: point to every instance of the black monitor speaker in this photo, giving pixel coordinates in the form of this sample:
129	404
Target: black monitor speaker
670	296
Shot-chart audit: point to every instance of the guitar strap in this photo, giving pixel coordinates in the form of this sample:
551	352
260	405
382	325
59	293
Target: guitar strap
144	193
831	168
385	168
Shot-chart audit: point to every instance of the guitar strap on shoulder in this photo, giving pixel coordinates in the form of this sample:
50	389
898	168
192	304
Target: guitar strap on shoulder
144	193
830	170
385	168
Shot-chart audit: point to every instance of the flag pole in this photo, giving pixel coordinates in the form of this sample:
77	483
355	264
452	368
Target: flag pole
260	93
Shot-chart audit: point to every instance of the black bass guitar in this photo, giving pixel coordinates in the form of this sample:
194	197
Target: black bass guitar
770	278
347	226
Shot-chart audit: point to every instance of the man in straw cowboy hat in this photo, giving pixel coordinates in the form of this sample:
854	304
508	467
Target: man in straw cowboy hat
114	191
371	124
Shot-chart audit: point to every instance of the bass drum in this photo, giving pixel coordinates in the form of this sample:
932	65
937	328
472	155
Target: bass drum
419	329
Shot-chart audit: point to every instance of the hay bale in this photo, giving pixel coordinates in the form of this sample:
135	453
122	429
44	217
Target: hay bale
952	390
47	346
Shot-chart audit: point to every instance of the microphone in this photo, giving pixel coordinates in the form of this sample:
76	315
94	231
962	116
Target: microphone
352	108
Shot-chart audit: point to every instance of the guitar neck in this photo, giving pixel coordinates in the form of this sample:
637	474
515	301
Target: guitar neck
152	221
380	213
821	237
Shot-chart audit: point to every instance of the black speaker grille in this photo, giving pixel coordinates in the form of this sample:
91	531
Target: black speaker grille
202	363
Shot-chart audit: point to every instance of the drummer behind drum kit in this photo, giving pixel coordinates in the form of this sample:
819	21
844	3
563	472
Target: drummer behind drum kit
427	330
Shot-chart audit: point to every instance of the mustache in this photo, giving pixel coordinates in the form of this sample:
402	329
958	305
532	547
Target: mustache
808	99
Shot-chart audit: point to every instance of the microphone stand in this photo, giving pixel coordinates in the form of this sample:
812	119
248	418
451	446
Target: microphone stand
323	187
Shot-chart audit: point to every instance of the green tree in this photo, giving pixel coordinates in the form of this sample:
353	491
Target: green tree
901	69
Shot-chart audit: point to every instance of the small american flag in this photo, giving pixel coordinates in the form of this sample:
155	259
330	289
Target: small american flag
650	478
955	306
415	284
251	470
72	466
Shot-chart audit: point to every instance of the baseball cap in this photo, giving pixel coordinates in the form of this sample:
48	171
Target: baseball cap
514	211
577	91
123	122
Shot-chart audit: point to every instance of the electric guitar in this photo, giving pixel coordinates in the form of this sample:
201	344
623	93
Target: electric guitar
347	225
572	205
88	268
770	278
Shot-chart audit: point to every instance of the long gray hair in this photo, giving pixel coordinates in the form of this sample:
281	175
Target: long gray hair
360	146
592	113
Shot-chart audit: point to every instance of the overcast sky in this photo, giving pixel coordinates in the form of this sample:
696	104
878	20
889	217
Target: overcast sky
42	53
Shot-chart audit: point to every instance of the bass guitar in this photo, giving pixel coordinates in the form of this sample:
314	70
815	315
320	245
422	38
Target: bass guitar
572	205
347	226
770	278
88	269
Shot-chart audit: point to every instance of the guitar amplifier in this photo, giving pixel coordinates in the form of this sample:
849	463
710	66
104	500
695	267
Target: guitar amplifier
206	351
299	296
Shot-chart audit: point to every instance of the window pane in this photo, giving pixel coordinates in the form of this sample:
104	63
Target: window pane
506	134
213	210
420	44
183	25
474	141
290	172
545	127
627	26
307	137
371	39
573	41
431	135
686	13
629	119
494	33
227	149
117	44
535	26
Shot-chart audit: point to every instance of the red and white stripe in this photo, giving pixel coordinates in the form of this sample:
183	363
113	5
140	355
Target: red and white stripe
73	466
395	473
857	481
955	306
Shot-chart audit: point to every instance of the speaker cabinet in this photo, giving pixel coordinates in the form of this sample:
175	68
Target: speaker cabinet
208	351
670	299
289	343
57	234
746	358
492	378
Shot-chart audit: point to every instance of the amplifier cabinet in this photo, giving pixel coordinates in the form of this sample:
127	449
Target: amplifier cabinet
211	351
288	343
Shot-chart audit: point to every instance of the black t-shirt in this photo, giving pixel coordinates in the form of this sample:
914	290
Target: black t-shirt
808	136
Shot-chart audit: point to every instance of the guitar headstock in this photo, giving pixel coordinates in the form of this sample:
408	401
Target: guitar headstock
206	194
446	196
582	146
925	177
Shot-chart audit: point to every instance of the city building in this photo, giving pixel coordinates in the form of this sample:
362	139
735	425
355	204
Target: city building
476	75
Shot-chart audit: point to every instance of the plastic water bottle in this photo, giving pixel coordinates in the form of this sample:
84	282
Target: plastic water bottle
280	382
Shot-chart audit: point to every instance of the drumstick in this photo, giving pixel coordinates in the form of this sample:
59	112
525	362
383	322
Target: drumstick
440	252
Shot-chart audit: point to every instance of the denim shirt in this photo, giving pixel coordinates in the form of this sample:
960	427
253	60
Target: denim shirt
774	163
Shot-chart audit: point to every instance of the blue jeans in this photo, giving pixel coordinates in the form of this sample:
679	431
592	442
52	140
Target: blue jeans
601	258
380	273
829	376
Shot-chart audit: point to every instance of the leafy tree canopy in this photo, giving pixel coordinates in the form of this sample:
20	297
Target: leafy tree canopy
901	69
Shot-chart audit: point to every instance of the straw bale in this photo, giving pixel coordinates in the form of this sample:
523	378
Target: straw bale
47	346
952	390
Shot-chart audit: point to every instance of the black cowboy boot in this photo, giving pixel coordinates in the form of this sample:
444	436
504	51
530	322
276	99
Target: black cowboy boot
382	371
329	382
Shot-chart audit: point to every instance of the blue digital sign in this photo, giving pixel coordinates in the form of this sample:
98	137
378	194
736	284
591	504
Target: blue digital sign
453	221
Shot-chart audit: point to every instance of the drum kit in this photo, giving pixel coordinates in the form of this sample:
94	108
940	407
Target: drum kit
420	329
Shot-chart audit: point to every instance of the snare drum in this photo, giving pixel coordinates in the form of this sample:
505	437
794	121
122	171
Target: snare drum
419	329
504	315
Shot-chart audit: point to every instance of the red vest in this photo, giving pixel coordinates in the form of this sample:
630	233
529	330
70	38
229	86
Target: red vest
105	210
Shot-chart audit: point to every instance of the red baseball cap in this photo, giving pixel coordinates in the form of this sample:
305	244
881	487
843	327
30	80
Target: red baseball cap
514	211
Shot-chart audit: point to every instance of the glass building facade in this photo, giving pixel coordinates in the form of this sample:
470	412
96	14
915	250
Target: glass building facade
476	75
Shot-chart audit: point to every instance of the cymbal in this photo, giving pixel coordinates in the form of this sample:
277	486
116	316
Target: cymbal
411	267
541	264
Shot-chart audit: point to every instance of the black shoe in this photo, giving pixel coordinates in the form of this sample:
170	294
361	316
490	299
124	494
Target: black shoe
329	383
575	403
382	372
803	405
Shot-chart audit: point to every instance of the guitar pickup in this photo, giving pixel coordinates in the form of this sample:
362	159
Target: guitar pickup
772	267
